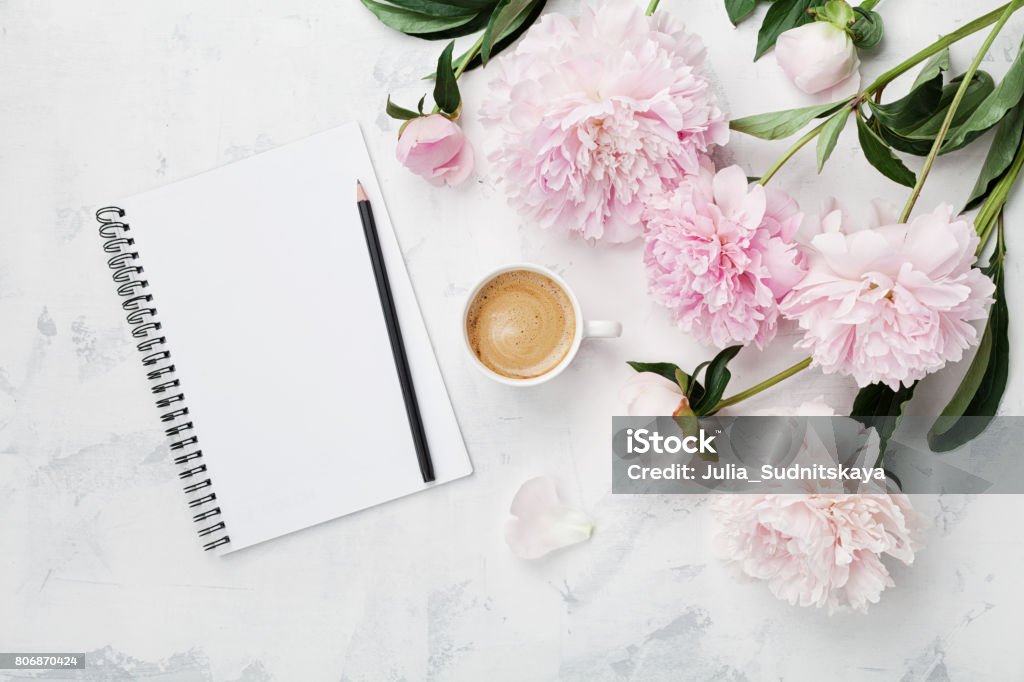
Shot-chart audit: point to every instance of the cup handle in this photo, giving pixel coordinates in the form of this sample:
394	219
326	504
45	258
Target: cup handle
601	329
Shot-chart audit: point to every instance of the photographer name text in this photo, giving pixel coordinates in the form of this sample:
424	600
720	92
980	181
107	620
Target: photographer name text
643	441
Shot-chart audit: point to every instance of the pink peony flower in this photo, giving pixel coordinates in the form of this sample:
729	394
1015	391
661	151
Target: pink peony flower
818	550
891	303
594	114
721	255
435	148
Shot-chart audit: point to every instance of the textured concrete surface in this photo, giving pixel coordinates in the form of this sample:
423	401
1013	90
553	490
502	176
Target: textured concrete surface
103	99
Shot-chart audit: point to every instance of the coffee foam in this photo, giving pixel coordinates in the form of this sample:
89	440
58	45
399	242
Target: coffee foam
521	324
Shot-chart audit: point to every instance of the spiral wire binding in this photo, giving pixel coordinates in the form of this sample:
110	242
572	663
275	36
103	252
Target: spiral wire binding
137	302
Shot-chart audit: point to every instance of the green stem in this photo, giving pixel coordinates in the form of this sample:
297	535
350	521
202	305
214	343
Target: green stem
653	6
1000	244
473	52
985	235
936	47
767	383
992	208
1000	251
797	146
929	161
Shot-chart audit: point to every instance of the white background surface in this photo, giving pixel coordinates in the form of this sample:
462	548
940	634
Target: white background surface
99	100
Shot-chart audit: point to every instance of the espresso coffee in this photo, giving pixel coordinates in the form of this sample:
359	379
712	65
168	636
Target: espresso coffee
521	324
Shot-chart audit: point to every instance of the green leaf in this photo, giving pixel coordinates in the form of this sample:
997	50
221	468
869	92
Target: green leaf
408	21
880	407
879	155
935	66
716	379
472	5
1000	155
920	113
508	38
682	380
401	113
915	108
419	105
782	16
738	10
696	391
918	146
665	369
978	91
836	12
503	18
982	388
917	137
446	88
830	135
702	398
431	8
779	124
1004	97
477	23
867	30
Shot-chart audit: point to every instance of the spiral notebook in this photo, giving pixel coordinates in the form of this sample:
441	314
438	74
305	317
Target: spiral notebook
251	296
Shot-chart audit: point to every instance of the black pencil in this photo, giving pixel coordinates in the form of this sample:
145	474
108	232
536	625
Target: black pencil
387	302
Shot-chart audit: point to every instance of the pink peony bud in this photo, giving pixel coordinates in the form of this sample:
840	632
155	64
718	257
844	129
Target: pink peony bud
435	148
651	395
819	56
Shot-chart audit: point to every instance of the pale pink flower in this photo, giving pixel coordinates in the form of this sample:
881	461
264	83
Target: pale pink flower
594	114
647	394
541	523
721	255
818	550
890	303
819	56
435	148
822	550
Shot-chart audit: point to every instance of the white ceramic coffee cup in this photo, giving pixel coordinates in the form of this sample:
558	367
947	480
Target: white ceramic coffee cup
585	329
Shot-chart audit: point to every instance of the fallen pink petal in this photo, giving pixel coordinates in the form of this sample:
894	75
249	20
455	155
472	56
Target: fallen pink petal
541	523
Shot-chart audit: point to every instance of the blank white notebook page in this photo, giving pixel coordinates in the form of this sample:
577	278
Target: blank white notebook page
265	290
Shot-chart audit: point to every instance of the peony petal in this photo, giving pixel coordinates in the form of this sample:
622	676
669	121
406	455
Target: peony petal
459	168
883	213
647	394
730	188
844	89
542	523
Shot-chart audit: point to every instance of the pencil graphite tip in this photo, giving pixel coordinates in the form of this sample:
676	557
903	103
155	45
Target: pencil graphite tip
360	192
